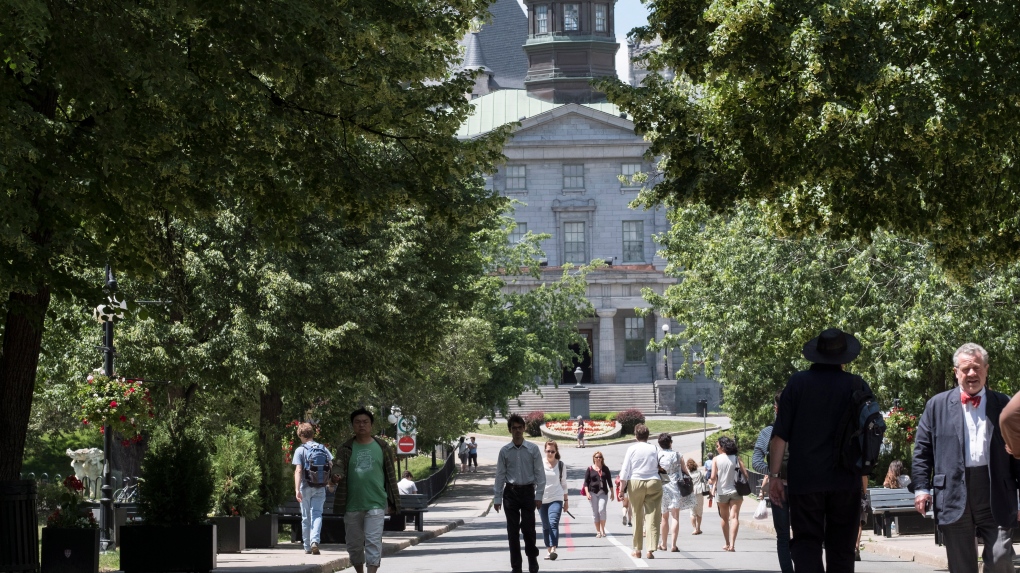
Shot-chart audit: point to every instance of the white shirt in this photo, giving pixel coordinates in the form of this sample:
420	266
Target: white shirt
519	465
407	487
979	435
640	462
555	486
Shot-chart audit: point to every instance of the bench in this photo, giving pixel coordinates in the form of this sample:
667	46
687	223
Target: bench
333	529
889	504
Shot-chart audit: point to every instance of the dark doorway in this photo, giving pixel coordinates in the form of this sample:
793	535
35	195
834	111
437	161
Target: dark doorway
584	363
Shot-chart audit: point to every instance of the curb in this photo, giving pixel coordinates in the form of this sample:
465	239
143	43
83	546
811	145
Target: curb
876	547
633	439
389	548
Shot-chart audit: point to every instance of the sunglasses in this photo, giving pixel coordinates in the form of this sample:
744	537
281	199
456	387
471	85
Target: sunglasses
550	451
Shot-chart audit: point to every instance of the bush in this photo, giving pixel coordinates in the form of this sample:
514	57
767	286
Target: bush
605	416
630	418
533	423
237	474
277	477
177	481
564	416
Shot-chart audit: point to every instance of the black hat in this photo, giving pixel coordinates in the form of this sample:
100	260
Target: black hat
832	346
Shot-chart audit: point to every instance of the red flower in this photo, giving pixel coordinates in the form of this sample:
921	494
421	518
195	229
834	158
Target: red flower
74	484
123	418
125	443
84	421
102	430
113	403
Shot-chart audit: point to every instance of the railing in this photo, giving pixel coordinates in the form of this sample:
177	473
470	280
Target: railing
127	493
434	485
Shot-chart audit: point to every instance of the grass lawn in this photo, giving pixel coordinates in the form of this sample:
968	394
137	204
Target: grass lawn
109	561
419	466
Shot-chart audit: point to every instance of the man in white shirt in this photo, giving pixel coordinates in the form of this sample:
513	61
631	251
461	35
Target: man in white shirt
973	485
520	484
407	486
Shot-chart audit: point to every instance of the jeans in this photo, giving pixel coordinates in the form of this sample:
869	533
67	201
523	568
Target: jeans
312	500
829	517
550	513
781	521
364	536
519	507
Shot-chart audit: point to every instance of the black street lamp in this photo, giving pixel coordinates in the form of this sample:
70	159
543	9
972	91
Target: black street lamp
106	502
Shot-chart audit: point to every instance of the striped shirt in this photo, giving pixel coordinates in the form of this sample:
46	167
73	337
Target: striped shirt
761	451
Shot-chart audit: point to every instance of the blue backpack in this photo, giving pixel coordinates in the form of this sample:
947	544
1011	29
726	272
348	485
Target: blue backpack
860	432
317	465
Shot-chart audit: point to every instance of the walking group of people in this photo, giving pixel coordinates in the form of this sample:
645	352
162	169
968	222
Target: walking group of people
965	470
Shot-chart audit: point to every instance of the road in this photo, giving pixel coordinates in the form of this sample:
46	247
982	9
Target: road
480	545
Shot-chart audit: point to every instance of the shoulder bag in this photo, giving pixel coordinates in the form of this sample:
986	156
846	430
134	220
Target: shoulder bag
740	482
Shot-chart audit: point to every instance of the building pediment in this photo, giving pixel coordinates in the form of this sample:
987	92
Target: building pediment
571	121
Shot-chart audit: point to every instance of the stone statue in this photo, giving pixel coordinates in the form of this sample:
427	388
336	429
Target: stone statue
88	467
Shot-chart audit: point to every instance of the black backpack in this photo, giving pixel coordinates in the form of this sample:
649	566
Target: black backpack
860	432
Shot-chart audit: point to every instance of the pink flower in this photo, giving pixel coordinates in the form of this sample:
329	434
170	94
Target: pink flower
113	403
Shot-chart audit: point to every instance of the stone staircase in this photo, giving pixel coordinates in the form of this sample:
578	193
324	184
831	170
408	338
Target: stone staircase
603	398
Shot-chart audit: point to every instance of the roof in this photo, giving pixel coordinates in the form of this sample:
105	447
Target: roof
502	45
507	106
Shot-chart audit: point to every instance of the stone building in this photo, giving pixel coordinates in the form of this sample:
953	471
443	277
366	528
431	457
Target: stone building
564	164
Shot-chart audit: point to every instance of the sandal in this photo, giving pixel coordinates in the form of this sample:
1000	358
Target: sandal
674	550
636	554
649	556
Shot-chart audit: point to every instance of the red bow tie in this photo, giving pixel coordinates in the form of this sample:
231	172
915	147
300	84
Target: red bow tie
968	399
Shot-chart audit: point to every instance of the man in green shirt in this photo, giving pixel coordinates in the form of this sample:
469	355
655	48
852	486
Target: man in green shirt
366	491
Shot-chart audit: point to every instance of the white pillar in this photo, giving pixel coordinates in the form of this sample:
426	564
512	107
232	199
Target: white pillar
607	346
660	373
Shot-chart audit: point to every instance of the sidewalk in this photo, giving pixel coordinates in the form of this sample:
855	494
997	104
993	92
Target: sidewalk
468	496
917	548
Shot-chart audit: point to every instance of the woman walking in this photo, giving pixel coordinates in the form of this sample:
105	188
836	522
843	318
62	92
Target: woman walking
672	501
700	492
598	484
724	474
641	468
554	501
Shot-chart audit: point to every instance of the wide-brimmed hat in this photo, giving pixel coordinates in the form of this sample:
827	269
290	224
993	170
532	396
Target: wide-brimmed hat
832	346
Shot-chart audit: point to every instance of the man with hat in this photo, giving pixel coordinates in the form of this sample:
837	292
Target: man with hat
961	464
824	499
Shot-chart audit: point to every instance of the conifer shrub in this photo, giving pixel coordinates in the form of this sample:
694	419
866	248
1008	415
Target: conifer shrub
237	473
176	485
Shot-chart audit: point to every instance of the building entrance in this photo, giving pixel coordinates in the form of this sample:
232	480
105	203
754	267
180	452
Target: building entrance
585	362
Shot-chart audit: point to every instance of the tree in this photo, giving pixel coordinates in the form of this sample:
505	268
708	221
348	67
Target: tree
750	300
845	117
122	119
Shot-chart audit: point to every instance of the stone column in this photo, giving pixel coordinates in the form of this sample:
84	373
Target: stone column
607	346
660	373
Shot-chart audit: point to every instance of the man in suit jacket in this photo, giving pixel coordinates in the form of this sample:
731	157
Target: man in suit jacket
960	458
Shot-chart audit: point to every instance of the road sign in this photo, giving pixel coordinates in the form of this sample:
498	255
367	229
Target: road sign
407	425
406	445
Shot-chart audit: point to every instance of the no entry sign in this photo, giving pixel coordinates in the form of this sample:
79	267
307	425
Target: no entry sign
406	445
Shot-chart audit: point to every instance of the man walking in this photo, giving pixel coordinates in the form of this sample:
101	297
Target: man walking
780	515
961	463
520	485
310	492
366	491
824	499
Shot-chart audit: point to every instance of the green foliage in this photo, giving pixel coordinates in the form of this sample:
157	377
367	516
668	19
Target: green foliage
564	416
273	471
47	452
745	441
750	300
238	474
176	485
630	418
843	117
70	513
533	422
122	404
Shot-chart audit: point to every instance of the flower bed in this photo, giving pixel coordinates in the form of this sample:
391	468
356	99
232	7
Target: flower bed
593	430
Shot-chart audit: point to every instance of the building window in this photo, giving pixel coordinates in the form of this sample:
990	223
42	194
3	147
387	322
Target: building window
573	243
517	234
633	241
600	17
634	339
516	177
573	176
541	19
571	17
628	171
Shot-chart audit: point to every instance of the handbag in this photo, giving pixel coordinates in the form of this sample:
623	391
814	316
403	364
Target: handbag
762	511
685	484
743	488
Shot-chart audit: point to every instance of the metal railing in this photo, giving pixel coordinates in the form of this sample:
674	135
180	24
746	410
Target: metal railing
434	485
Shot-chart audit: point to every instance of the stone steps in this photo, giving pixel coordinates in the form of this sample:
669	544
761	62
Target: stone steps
603	398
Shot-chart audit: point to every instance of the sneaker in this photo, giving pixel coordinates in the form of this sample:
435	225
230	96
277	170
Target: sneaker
625	520
308	551
315	549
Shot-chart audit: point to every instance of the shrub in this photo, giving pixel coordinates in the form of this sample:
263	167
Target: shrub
630	418
177	481
237	474
604	416
277	477
557	416
533	423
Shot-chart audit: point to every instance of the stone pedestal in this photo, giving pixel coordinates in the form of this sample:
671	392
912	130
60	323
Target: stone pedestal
665	391
579	402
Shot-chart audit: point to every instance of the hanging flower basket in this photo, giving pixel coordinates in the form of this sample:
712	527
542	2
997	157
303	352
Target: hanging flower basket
121	403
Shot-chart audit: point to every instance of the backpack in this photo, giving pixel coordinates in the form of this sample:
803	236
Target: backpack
317	465
860	432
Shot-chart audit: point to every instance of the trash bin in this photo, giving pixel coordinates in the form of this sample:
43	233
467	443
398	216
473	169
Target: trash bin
19	527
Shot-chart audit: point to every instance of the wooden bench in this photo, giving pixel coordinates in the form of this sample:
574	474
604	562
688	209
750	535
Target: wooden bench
897	504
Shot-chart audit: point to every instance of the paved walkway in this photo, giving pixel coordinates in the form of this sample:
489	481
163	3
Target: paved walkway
462	534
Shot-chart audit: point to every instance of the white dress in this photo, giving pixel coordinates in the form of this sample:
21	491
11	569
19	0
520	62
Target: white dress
671	499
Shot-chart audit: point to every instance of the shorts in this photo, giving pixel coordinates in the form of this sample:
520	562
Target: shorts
728	497
463	458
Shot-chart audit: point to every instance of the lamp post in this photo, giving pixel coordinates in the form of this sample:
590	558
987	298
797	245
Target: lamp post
665	352
106	501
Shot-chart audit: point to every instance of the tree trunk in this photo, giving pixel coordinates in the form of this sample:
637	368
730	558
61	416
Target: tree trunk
22	343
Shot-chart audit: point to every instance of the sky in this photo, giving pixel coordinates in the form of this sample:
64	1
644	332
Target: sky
629	15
